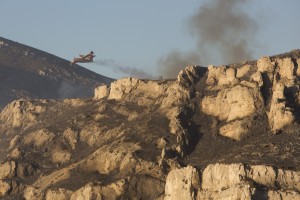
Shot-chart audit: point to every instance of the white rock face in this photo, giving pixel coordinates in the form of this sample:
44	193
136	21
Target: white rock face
283	194
239	191
101	92
219	176
20	113
232	103
180	184
264	175
233	181
289	180
264	64
148	93
236	93
280	115
286	69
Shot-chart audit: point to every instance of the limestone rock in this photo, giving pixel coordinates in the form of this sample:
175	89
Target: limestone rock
190	75
4	188
289	180
286	68
110	158
71	136
217	176
180	184
8	170
58	194
39	138
283	194
60	156
239	191
101	92
87	192
298	68
32	193
264	64
221	76
114	190
148	93
243	71
228	103
280	115
20	113
120	87
237	129
262	174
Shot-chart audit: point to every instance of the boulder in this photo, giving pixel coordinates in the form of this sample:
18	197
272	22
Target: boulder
243	71
101	92
8	170
4	188
286	68
237	129
181	184
71	136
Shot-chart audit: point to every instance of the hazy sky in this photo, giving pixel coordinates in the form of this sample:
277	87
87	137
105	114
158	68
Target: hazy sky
133	35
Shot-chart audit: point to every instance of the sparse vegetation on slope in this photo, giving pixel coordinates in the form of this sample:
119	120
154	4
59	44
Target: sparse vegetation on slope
216	132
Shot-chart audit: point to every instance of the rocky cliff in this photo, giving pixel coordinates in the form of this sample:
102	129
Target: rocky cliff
221	132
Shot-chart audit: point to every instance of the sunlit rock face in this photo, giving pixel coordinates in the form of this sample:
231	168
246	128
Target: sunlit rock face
217	132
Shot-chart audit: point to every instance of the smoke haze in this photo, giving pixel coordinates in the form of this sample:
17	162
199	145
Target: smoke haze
131	71
223	32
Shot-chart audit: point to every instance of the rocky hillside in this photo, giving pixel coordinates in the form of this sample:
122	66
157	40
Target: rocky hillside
226	132
29	73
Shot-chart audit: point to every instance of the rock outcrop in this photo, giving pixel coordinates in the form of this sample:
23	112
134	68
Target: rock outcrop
227	132
232	181
269	86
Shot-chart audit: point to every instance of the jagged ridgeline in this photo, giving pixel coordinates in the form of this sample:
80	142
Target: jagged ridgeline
221	132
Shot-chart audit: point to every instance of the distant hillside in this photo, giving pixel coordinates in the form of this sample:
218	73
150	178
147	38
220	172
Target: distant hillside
26	72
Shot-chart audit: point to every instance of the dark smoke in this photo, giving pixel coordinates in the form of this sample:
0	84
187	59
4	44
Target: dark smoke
131	71
224	33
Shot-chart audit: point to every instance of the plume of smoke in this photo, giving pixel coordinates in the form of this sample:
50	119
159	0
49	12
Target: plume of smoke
223	32
131	71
